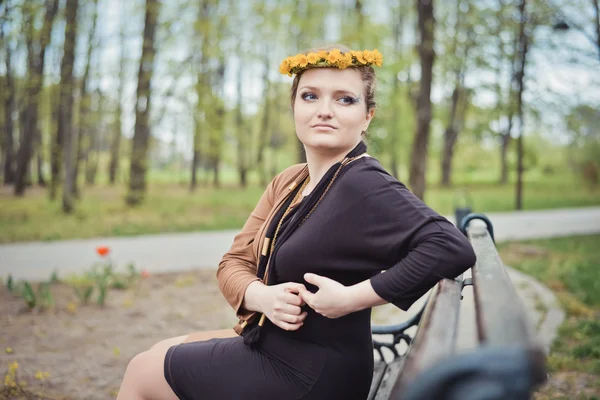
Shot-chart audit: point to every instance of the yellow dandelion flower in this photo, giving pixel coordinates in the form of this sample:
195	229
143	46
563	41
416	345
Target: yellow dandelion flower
322	54
378	58
359	55
313	58
14	365
9	350
284	67
42	375
334	56
345	61
302	60
369	56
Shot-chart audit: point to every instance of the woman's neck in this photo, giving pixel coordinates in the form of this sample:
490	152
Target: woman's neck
318	165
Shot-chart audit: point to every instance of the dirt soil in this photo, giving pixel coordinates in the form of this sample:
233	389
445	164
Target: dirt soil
81	352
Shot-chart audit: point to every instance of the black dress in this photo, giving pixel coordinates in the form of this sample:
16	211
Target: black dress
367	222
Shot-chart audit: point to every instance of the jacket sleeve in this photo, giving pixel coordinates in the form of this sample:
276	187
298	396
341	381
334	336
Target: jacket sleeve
426	247
237	268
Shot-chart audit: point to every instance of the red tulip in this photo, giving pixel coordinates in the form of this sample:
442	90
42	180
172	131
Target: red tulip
102	251
145	274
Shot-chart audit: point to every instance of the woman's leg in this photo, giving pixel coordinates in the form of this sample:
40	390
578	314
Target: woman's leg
144	378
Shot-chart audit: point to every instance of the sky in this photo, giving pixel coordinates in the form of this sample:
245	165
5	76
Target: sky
549	72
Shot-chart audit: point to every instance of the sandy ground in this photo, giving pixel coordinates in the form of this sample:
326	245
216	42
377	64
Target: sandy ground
85	351
82	352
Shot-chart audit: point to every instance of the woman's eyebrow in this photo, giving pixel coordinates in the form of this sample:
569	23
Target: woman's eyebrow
336	91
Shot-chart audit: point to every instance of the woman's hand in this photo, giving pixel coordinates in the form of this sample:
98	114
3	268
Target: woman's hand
280	303
332	300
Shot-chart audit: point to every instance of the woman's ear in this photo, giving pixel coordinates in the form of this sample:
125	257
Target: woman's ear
369	117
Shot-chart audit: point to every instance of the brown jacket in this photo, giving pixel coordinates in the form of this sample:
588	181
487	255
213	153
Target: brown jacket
238	266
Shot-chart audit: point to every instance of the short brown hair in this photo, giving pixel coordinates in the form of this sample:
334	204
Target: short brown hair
367	74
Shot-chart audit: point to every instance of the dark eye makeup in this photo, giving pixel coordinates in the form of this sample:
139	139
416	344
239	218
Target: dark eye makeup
346	100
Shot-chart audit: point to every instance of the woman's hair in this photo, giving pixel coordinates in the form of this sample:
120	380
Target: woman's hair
367	75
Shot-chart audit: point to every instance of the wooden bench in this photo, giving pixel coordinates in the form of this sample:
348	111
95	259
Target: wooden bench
507	361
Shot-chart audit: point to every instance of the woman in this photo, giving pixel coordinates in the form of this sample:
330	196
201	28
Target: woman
305	270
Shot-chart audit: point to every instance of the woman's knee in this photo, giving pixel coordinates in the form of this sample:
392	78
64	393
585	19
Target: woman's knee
166	343
138	366
145	372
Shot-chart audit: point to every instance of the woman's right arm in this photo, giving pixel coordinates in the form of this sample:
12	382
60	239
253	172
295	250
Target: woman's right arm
241	287
237	269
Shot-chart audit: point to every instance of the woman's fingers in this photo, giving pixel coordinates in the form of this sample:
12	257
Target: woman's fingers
288	326
292	319
290	298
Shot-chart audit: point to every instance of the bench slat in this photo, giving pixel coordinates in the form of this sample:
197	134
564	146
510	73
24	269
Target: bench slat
378	373
389	378
501	319
436	337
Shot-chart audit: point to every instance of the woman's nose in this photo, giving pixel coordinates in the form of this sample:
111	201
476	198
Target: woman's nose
325	111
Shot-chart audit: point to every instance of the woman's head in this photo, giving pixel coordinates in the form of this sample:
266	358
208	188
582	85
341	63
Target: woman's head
333	107
367	74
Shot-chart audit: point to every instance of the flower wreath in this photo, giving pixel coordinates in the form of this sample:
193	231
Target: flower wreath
334	58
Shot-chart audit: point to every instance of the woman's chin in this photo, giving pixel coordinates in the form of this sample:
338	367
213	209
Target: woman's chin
327	146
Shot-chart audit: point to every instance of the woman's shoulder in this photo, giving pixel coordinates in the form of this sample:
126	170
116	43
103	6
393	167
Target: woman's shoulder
287	176
367	174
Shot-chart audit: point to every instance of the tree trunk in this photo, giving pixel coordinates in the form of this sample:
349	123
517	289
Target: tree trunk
242	135
115	146
36	59
418	162
65	118
523	48
506	136
202	87
504	154
450	136
55	142
397	115
41	180
141	136
9	109
263	134
84	106
596	5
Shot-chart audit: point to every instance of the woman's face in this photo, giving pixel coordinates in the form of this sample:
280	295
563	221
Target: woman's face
329	110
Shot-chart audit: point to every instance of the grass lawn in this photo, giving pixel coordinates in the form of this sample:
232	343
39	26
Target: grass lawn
170	207
571	268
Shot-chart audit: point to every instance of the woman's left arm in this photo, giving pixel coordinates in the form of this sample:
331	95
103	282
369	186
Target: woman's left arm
430	249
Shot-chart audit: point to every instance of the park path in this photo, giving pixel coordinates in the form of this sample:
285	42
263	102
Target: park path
186	251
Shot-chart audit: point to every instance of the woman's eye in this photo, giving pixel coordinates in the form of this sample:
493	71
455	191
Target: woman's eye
347	100
309	96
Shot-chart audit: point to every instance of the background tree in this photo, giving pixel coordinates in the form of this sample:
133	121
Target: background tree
141	136
8	100
418	163
65	118
36	57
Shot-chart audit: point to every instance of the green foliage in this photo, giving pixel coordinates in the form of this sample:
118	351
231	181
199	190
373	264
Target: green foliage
28	295
571	267
83	286
54	277
9	283
46	300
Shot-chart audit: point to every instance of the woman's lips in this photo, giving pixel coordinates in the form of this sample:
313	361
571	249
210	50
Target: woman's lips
324	127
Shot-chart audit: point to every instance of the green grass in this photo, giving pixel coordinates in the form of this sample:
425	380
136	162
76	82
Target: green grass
170	207
102	212
571	268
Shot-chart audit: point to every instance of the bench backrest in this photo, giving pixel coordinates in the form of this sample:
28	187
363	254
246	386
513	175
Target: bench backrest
508	356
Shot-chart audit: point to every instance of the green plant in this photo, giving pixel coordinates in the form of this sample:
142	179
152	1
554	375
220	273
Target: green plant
9	283
45	296
28	295
54	277
83	286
